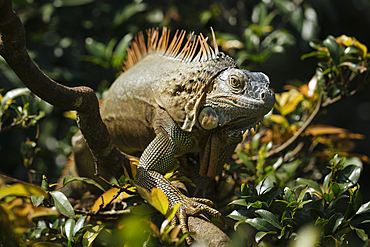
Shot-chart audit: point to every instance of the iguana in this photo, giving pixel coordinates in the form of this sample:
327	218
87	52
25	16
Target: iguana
177	97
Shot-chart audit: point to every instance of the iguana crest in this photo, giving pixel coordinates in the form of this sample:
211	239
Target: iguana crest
173	49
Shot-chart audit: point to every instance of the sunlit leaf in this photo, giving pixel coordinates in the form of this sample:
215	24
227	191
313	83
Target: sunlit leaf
279	119
37	200
291	105
349	175
365	208
260	224
91	234
43	211
69	228
326	182
260	235
171	213
159	201
240	202
21	190
270	217
79	224
62	204
310	183
333	223
108	196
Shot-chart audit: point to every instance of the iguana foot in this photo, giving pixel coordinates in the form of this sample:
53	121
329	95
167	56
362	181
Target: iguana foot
193	206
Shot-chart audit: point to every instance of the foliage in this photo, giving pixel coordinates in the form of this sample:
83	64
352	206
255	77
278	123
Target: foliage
281	212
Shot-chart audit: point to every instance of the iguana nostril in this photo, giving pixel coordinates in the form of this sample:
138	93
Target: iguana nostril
263	96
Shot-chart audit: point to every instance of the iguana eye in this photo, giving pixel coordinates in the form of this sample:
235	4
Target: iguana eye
236	83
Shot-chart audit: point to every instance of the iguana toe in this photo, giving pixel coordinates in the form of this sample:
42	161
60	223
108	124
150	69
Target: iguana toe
193	207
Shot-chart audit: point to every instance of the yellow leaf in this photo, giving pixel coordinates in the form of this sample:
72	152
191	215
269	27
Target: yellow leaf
70	114
91	234
344	39
108	195
44	211
133	163
171	213
21	190
46	244
160	201
362	47
279	119
292	104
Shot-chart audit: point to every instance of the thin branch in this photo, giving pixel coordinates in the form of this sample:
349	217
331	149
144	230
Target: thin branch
297	134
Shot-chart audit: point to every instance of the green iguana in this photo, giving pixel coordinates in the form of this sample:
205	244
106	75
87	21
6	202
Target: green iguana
178	97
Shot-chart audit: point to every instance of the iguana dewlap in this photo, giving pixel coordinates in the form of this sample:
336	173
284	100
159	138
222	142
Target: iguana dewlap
178	97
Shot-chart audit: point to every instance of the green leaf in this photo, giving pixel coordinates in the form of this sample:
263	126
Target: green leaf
270	217
349	176
260	235
333	47
65	3
62	204
361	234
37	200
69	179
365	208
311	54
79	224
260	224
351	50
69	228
144	209
289	196
310	183
333	91
91	234
246	161
328	197
301	195
240	202
236	215
336	189
333	223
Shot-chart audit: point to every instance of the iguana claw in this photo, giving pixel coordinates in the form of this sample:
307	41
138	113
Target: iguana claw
193	206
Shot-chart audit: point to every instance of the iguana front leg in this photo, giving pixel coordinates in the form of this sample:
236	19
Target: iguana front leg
157	159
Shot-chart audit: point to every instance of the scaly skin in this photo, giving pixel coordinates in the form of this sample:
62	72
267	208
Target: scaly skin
166	105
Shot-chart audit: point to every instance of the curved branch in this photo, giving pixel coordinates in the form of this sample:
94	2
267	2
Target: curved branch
297	134
82	99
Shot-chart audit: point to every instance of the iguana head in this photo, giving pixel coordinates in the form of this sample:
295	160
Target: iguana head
237	102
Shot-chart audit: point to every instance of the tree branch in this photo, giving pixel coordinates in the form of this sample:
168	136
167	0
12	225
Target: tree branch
82	99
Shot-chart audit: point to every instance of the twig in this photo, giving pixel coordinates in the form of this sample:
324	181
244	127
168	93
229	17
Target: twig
297	134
